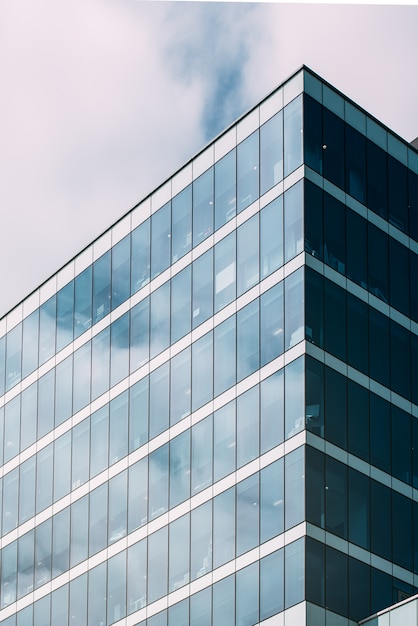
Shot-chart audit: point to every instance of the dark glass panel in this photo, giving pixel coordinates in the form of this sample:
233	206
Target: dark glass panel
181	235
414	282
294	309
121	271
225	189
271	152
101	287
334	233
415	467
359	590
336	497
413	204
313	220
400	360
335	408
312	133
358	422
332	144
414	367
401	445
336	574
378	277
83	301
314	307
377	195
293	221
248	171
399	276
315	571
140	259
381	590
398	194
357	334
160	240
335	311
315	487
355	164
203	207
380	509
380	433
379	347
358	509
356	237
402	530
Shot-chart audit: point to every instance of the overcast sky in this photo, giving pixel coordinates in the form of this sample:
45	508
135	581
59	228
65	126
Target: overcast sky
101	100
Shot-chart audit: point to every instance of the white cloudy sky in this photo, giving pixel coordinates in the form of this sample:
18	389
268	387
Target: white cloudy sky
101	100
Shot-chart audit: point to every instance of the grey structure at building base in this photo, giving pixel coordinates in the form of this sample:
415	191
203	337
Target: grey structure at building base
210	415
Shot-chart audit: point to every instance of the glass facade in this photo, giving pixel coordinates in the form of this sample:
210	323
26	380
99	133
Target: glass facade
206	415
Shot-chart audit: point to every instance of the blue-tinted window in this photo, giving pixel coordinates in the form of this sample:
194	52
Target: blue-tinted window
47	330
63	390
247	426
181	304
313	219
315	487
336	497
99	441
101	287
119	349
202	454
225	189
160	320
336	575
272	411
355	164
178	556
30	344
139	334
248	333
333	148
335	408
271	237
140	259
13	356
202	306
378	278
180	469
293	135
315	571
181	229
380	433
180	388
203	207
399	276
293	221
294	573
100	361
201	540
335	311
271	152
81	377
225	271
118	428
272	500
334	234
160	240
357	334
247	595
224	527
138	494
312	133
379	362
358	509
223	603
294	397
247	255
224	441
98	520
294	309
358	423
398	194
356	235
159	400
271	324
157	564
202	371
248	171
377	195
117	522
121	271
401	445
83	302
225	361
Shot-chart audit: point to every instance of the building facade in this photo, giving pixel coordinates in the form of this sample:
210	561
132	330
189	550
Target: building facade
209	416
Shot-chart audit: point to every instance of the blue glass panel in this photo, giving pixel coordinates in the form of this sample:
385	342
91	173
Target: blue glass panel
293	221
11	429
119	349
47	330
201	608
139	339
43	553
27	418
10	500
65	315
359	589
82	375
100	363
98	520
224	355
355	163
378	276
202	455
312	133
272	411
79	525
201	540
157	564
223	603
294	398
118	507
99	440
29	344
140	260
101	287
272	584
121	271
247	595
225	271
41	612
159	400
137	583
97	595
180	469
202	371
59	607
271	237
181	304
178	557
247	255
83	301
334	234
202	307
294	472
8	574
61	542
62	466
248	171
224	441
160	320
271	152
63	390
138	414
336	497
116	587
272	324
160	240
224	527
14	356
78	600
377	193
138	495
336	573
248	426
293	136
46	388
158	482
248	514
180	389
203	207
3	363
118	433
181	217
225	189
44	474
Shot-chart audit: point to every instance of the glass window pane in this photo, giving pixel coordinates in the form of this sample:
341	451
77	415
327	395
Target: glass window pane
334	234
201	540
397	194
82	375
43	553
119	349
247	595
358	509
271	237
98	520
158	482
27	490
271	152
378	254
159	400
224	441
248	514
62	466
44	473
47	330
272	324
336	573
312	133
293	221
313	219
46	388
138	495
203	207
137	582
181	304
247	426
61	542
30	344
14	356
97	595
140	259
11	428
357	334
178	558
335	408
225	271
272	411
225	189
118	434
116	588
78	600
117	507
223	603
202	371
248	334
10	500
294	309
181	236
157	564
355	163
138	414
336	497
332	145
83	291
377	196
202	455
160	240
359	423
63	390
335	312
100	363
294	398
247	255
121	271
180	469
225	355
139	338
294	573
65	315
248	171
160	320
272	500
224	527
200	608
99	440
314	397
79	539
180	388
294	471
293	135
202	288
101	287
272	584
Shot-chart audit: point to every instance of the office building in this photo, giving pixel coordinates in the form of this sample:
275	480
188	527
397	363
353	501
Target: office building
210	415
